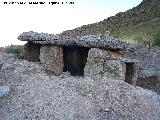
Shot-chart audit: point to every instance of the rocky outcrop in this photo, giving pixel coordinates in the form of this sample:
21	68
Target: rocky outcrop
102	63
90	41
52	59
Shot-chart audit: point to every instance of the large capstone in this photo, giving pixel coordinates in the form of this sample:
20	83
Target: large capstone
103	63
90	41
52	59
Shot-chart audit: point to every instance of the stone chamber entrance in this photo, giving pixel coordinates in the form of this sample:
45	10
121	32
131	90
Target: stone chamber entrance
131	73
75	59
32	52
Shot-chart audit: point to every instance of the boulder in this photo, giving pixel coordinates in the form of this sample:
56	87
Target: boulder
52	59
102	63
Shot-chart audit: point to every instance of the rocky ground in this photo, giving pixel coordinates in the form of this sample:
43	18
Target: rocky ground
27	92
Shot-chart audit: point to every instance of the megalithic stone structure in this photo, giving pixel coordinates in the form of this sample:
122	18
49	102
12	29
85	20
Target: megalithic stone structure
90	55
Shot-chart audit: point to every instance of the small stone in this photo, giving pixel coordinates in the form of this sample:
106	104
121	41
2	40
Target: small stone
4	90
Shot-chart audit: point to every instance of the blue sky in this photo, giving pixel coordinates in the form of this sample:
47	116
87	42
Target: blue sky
16	19
104	4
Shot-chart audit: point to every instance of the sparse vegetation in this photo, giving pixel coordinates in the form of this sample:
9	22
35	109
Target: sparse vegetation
14	49
139	24
18	50
144	32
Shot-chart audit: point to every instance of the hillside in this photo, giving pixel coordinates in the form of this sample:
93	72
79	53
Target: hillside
140	21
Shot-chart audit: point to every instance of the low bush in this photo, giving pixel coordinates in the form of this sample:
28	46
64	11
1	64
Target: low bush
11	50
18	50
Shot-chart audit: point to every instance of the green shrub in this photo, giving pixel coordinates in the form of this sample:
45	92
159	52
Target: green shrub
157	40
16	49
11	50
156	37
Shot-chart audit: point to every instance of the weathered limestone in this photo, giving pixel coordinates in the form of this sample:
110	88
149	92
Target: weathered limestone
52	59
104	63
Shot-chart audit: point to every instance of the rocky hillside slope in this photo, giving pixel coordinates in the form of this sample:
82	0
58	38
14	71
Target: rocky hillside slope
35	94
147	11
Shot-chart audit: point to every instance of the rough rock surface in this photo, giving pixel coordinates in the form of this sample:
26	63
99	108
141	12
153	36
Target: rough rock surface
104	63
39	96
52	59
147	60
35	36
149	67
98	41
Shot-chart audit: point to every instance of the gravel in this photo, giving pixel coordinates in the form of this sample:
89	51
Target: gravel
37	95
4	90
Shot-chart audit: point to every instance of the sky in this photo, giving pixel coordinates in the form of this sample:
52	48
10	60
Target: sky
54	19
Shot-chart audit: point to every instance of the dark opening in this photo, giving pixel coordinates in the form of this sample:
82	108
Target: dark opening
32	52
151	83
75	59
130	69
